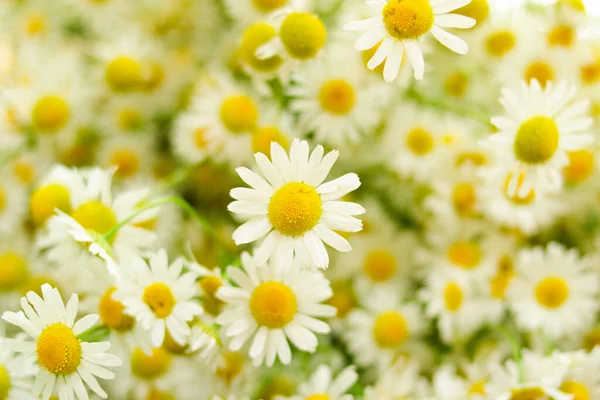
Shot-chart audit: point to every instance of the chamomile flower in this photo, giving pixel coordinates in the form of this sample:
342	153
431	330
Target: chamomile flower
159	296
400	26
338	105
322	386
129	155
271	307
205	340
63	362
16	376
539	127
579	381
401	379
554	291
293	208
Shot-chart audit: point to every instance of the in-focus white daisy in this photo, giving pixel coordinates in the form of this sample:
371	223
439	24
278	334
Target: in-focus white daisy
539	127
293	208
533	377
159	296
271	306
63	362
321	385
400	26
554	291
384	329
337	104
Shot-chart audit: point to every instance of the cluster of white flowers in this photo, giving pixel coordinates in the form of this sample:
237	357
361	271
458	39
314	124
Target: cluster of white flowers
415	214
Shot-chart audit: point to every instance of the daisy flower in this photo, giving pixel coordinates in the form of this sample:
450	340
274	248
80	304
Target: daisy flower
159	296
554	290
271	306
293	208
539	127
580	381
63	362
401	380
205	340
322	386
16	377
401	25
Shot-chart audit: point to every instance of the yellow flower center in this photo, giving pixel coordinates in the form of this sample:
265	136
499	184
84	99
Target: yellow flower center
466	255
408	19
500	282
479	10
124	74
24	171
318	396
34	284
95	216
2	199
280	385
577	5
13	271
130	119
209	285
155	78
255	36
477	388
150	366
48	198
380	265
540	71
536	140
295	208
200	138
263	136
552	292
231	367
516	199
456	84
343	299
475	158
580	167
420	141
337	97
528	394
562	35
590	73
50	114
577	389
239	113
160	299
111	313
303	35
269	5
4	383
453	297
464	199
171	345
592	339
126	161
155	394
273	304
58	349
35	25
500	43
390	330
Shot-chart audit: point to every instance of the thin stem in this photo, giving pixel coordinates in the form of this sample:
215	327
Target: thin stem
547	343
94	334
515	345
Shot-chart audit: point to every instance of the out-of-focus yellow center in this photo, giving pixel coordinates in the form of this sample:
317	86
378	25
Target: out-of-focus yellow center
475	158
5	383
95	216
318	396
58	349
464	254
24	171
127	162
48	198
273	304
380	265
500	282
479	10
155	394
453	297
477	388
111	313
255	36
528	394
464	199
456	84
516	198
35	25
209	285
540	71
337	97
269	5
343	298
2	199
577	5
239	113
500	43
408	19
592	339
303	35
130	119
590	73
34	284
231	366
150	366
159	297
390	330
155	78
580	167
536	140
50	113
13	271
420	141
577	389
562	36
552	292
124	74
263	136
295	208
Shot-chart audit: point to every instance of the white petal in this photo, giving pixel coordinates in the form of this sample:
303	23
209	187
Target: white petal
381	53
393	62
316	250
370	39
252	230
454	21
452	42
415	56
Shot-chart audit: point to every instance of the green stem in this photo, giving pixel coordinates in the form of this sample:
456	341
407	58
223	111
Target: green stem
94	334
515	345
547	343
